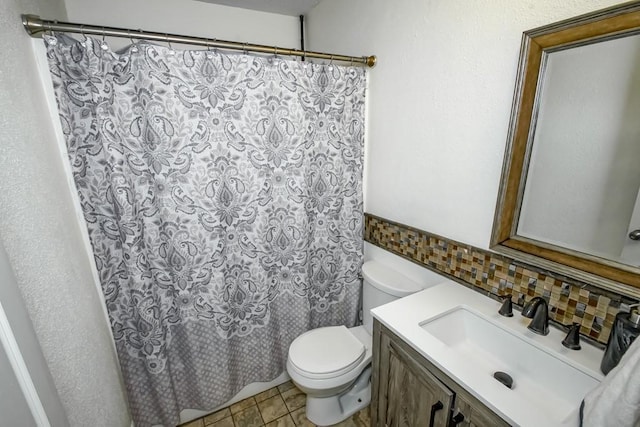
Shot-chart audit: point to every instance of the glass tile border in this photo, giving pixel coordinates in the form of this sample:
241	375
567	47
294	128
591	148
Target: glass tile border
497	275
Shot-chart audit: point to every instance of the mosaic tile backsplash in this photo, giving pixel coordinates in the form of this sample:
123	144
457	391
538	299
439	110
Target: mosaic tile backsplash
569	300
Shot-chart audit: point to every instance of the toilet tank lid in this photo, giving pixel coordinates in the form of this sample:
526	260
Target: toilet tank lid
388	280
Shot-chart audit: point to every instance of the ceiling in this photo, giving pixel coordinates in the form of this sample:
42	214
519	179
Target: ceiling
282	7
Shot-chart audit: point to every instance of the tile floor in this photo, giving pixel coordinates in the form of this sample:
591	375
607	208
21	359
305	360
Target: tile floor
281	406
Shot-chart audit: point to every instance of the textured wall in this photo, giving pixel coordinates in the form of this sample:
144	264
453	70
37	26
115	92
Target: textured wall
189	17
439	100
39	230
13	308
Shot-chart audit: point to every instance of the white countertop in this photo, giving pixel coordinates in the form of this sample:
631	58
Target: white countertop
405	316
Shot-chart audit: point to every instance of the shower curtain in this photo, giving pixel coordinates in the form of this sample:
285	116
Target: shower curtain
223	199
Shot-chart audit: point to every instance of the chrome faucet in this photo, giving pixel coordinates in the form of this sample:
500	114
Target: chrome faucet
537	310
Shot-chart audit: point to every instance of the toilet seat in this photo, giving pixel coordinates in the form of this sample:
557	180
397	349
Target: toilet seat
327	352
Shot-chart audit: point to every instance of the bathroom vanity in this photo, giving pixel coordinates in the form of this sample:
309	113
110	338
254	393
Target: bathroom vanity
409	390
444	356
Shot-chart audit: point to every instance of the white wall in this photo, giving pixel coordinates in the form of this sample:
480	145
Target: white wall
43	240
586	137
439	100
189	17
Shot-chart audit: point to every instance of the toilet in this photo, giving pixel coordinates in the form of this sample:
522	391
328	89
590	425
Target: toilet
332	365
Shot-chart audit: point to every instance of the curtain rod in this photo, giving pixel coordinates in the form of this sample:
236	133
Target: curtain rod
35	26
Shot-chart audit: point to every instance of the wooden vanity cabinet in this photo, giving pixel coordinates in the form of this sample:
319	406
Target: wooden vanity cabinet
409	391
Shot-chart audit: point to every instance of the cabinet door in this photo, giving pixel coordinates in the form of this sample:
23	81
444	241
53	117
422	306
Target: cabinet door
407	390
476	414
415	398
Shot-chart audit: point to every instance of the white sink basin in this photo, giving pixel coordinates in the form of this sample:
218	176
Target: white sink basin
541	379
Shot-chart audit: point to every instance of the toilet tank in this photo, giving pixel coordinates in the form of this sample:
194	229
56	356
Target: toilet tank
381	285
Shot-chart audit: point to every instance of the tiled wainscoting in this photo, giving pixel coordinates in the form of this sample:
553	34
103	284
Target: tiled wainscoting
569	300
282	406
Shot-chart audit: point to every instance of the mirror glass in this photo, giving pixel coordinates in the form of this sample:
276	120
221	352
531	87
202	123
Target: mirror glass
583	177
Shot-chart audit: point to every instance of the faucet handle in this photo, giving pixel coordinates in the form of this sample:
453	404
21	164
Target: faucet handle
507	307
572	340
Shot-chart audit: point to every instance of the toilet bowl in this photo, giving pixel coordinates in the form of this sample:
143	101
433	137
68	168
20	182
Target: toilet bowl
325	363
332	364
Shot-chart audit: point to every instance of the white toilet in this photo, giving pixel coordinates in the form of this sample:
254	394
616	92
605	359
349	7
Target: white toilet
332	365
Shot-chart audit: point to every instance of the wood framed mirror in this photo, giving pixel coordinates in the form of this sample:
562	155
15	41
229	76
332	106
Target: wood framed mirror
571	173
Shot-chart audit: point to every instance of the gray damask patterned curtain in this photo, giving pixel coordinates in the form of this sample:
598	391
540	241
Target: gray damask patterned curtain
223	198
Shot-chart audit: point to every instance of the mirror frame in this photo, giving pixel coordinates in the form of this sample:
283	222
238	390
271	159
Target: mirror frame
606	24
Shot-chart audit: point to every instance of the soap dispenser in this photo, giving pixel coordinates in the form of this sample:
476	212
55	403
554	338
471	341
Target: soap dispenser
626	328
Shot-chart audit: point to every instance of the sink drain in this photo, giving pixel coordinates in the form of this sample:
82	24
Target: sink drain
504	378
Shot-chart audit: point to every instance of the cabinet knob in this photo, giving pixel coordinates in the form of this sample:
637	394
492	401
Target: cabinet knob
457	419
435	408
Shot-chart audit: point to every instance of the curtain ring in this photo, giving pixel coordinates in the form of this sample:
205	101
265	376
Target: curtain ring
171	51
331	63
104	45
53	40
209	53
134	47
84	36
244	49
